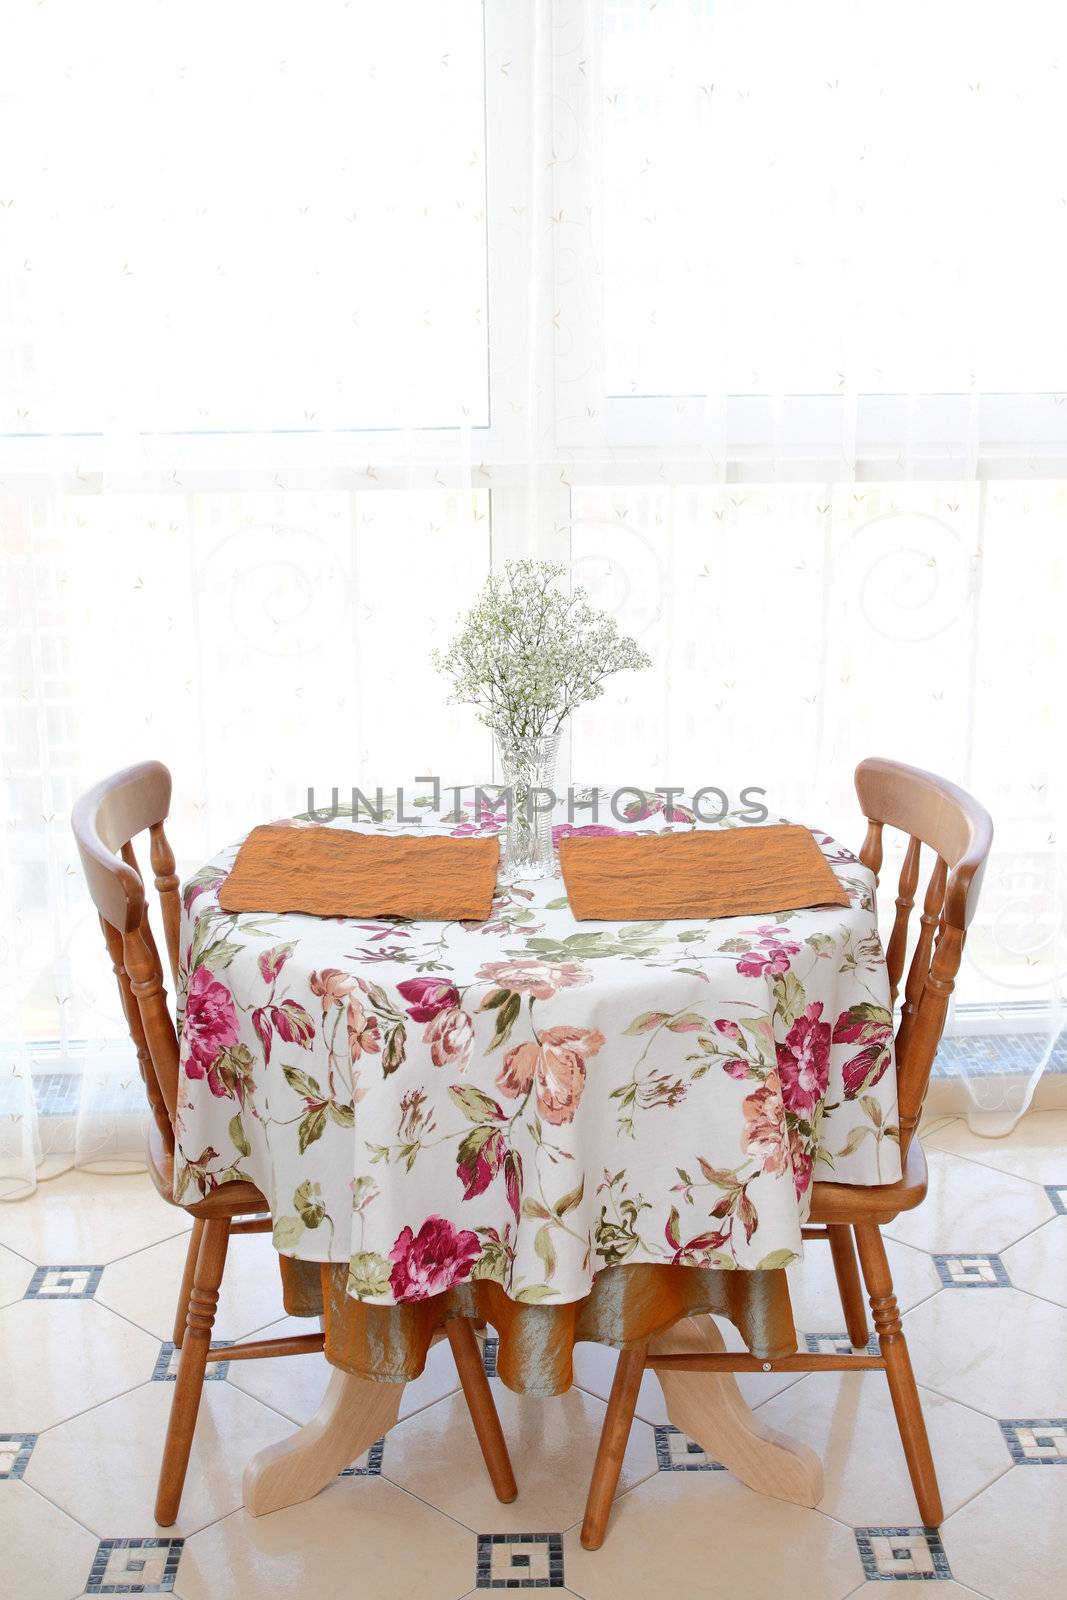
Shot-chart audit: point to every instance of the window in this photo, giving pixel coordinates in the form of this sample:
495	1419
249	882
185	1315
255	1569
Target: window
227	219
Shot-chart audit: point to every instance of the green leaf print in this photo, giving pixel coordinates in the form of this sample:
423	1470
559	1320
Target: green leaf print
544	1248
475	1106
238	1136
311	1127
302	1083
288	1232
535	1293
395	1051
645	1023
776	1259
308	1202
789	997
506	1014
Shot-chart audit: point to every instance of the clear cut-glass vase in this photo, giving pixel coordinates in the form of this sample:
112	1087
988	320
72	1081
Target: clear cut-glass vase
528	771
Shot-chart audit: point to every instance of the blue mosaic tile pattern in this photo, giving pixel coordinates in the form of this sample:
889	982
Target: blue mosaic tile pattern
135	1566
58	1094
14	1453
902	1554
166	1368
519	1561
972	1272
982	1054
489	1350
836	1344
373	1468
1035	1441
1057	1193
676	1453
64	1283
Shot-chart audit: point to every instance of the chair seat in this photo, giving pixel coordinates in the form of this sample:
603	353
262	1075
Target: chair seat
878	1203
230	1200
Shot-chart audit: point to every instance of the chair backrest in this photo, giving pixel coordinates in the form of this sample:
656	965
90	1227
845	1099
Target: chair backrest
106	820
959	831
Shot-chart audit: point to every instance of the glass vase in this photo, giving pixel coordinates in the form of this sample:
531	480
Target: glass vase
528	770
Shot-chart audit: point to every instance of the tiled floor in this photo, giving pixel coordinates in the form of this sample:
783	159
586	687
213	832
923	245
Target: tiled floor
88	1274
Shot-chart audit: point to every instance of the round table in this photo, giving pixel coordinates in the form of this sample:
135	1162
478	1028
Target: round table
529	1102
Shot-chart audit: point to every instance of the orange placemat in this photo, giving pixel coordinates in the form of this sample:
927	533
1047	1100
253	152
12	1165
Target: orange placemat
729	872
335	872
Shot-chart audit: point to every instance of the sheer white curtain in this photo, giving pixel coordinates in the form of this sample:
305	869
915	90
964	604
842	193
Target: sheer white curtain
749	313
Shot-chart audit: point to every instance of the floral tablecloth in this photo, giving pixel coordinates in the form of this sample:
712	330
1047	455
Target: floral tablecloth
529	1101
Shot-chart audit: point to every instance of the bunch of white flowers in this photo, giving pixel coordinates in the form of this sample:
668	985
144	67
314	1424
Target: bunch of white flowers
529	654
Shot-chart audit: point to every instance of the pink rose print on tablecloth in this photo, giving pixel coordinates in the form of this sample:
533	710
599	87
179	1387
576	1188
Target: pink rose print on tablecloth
450	1037
739	1066
479	1158
432	1260
871	1027
449	1030
332	986
556	1068
289	1020
764	1135
487	820
802	1164
209	1028
272	961
427	997
542	979
364	1033
588	830
772	954
804	1061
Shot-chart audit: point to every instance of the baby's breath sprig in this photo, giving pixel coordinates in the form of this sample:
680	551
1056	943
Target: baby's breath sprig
529	654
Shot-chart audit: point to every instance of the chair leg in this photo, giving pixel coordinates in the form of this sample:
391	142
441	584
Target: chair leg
613	1436
479	1397
902	1388
203	1299
182	1309
848	1283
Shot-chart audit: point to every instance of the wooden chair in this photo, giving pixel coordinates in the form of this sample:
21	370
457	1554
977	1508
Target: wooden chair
959	832
105	821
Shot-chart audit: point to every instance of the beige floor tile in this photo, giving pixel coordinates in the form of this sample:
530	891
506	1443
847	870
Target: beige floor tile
144	1287
594	1369
969	1207
53	1166
999	1350
46	1556
692	1534
813	1287
933	1122
15	1274
361	1536
1036	1148
123	1441
943	1590
294	1385
847	1419
1009	1543
62	1357
86	1217
435	1455
1038	1263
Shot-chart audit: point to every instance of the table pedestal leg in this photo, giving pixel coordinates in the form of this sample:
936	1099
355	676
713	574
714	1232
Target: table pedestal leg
708	1408
354	1414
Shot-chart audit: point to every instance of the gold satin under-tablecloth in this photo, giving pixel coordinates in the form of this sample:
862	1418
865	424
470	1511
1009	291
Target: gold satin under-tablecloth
626	1305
